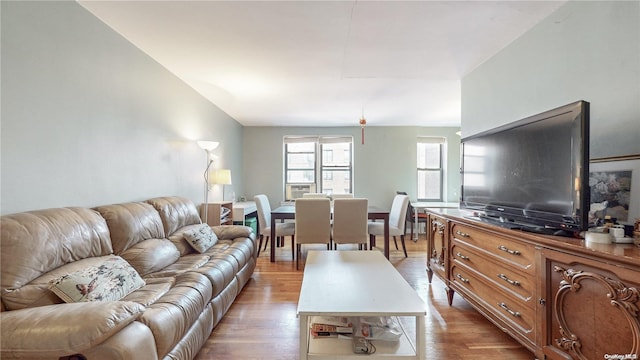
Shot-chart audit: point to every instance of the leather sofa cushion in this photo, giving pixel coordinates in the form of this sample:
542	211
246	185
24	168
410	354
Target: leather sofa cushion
237	250
193	341
184	264
37	292
180	241
155	289
36	332
219	256
171	316
176	212
36	242
131	223
151	255
221	269
135	341
228	256
240	241
234	232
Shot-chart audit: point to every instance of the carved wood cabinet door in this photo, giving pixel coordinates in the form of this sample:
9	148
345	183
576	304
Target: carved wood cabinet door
588	309
437	244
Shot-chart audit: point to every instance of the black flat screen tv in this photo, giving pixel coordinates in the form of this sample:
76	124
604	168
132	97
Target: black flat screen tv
532	174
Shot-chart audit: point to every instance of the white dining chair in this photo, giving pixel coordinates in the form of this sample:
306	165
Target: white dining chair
341	196
411	218
315	195
264	222
350	222
313	223
397	218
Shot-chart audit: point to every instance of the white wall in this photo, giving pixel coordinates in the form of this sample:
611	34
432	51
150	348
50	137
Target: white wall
88	119
386	163
586	50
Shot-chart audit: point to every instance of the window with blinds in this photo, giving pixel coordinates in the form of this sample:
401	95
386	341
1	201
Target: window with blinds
430	168
325	163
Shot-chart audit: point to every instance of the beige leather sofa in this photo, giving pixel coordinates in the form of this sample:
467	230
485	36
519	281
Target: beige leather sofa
185	293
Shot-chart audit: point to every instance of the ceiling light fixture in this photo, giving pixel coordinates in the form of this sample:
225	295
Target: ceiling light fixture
363	122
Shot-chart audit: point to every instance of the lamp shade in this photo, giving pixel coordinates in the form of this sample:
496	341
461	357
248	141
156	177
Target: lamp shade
208	145
221	176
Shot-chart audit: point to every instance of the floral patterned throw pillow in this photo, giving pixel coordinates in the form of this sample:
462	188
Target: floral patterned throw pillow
201	238
110	281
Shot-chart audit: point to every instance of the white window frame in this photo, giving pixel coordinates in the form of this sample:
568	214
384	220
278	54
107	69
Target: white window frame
319	168
441	168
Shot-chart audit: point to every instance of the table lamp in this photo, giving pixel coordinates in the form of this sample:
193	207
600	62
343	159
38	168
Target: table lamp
222	177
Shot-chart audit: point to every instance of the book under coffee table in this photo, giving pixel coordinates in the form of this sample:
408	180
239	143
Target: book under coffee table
357	284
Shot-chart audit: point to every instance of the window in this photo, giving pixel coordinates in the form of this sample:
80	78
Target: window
327	155
430	168
300	162
336	165
330	174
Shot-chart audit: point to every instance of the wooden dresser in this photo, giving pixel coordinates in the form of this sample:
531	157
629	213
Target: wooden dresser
559	297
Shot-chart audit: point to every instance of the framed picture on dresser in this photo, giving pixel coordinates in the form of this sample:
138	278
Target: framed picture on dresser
614	184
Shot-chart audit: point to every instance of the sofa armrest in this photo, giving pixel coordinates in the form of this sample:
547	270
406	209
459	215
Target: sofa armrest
230	232
135	341
62	329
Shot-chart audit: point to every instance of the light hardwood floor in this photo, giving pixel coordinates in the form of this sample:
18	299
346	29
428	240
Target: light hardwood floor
262	323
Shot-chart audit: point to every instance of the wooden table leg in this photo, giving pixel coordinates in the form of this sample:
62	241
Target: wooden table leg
415	225
273	239
386	236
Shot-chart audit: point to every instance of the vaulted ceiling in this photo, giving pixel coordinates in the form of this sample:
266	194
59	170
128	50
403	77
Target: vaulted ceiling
324	63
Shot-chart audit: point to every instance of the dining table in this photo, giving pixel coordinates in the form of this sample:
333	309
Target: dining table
288	212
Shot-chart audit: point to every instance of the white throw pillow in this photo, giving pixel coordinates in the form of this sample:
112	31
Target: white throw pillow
111	280
201	238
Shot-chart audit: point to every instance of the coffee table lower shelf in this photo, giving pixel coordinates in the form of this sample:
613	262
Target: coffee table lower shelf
357	284
334	348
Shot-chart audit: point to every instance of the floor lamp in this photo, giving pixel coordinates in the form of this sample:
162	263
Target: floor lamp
207	146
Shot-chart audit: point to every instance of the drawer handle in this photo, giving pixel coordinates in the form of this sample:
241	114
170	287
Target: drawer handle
506	308
506	249
461	234
512	282
466	281
458	254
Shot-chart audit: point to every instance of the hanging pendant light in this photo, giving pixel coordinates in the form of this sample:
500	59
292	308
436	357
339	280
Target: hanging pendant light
363	122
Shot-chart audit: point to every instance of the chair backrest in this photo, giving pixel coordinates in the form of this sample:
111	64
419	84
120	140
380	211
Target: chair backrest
264	212
409	207
313	220
342	196
350	221
315	195
398	212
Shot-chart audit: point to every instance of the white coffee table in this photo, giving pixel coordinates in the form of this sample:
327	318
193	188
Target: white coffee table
356	283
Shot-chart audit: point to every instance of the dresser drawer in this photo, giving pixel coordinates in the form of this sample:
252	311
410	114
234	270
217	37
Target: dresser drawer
513	312
510	279
507	250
